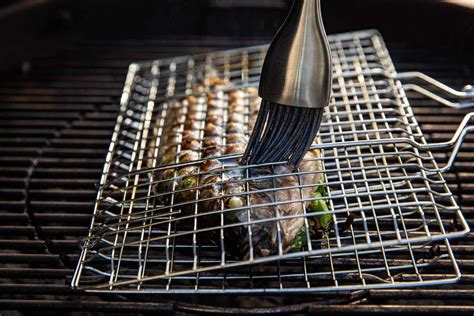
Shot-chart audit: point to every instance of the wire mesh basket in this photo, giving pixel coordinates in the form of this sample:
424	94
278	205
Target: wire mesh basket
176	213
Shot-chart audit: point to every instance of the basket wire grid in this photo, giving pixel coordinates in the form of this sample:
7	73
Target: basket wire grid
387	199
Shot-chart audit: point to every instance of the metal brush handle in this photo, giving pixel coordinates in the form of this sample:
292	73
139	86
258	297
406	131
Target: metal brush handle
297	69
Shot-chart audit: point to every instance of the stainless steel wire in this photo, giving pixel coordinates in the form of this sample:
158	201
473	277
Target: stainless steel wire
387	199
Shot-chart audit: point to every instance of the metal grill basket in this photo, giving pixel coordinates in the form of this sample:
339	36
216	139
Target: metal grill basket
390	213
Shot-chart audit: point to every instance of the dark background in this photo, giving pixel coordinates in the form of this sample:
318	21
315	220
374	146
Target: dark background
30	26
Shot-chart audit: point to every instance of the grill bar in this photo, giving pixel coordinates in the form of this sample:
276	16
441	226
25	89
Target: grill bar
300	308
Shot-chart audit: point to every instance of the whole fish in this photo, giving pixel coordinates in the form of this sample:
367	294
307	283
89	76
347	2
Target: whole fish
253	202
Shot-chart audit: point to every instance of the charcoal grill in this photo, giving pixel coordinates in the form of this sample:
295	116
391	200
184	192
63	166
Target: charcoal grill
378	168
59	114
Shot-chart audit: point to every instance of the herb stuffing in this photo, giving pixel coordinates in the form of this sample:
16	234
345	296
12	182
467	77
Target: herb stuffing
188	182
321	222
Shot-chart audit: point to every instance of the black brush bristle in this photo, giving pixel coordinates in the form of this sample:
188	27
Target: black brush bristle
282	133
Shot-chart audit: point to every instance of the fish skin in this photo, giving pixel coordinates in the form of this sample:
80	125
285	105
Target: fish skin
265	239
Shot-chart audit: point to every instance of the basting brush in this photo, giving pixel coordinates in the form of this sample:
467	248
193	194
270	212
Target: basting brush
295	86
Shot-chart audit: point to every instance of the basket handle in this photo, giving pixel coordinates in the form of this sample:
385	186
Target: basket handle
465	97
456	141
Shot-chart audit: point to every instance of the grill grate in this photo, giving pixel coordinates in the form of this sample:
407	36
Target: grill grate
383	184
69	172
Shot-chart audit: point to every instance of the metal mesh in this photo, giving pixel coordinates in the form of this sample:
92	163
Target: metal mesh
387	200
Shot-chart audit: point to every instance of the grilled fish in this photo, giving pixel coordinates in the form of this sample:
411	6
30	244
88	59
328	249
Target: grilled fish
254	201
